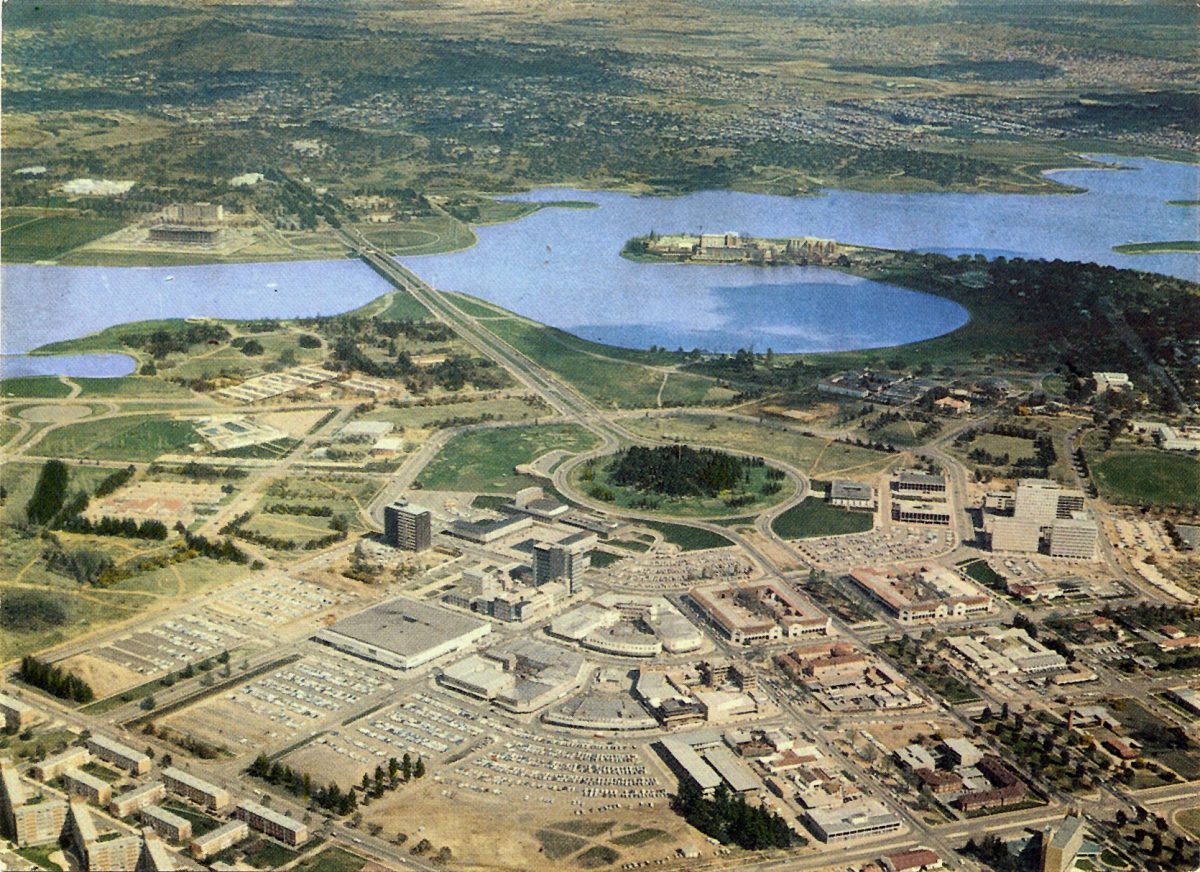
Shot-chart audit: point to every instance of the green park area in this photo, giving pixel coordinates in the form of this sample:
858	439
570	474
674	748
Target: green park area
1149	477
331	860
815	517
48	235
681	481
425	235
34	386
124	437
687	538
812	455
611	377
484	460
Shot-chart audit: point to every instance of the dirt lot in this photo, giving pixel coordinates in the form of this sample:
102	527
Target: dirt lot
492	833
105	677
896	736
54	414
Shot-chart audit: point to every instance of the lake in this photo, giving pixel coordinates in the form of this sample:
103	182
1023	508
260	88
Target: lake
563	267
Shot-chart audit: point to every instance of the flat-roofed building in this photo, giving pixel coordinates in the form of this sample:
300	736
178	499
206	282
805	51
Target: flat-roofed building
486	532
216	841
56	764
522	675
272	823
407	526
167	824
1022	535
861	819
404	633
687	764
733	771
17	715
137	799
130	759
26	820
195	789
1042	500
1006	651
913	860
1075	538
762	612
910	484
851	495
920	512
80	783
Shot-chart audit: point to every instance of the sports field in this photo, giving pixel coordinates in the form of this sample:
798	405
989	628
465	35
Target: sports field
45	237
1159	478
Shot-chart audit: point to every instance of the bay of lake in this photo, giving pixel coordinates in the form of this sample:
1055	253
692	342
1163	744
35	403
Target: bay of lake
563	267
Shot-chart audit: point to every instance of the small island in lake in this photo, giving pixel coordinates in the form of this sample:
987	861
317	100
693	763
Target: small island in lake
732	247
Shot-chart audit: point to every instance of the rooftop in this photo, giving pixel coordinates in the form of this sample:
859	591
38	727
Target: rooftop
405	626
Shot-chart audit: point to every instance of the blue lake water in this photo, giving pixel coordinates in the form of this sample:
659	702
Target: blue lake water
562	266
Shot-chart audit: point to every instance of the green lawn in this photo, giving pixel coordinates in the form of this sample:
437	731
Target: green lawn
431	235
34	386
130	386
559	845
611	377
331	860
687	538
48	237
127	437
815	517
685	507
810	454
483	460
1149	477
404	307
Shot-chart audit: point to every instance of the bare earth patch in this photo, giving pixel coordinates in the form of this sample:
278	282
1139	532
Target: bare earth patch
54	414
105	677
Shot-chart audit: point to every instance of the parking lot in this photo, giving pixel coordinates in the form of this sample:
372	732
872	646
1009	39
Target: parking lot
901	542
284	704
678	572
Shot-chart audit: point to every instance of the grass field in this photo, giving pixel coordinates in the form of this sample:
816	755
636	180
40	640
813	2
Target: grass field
506	409
815	517
811	455
611	377
130	386
30	237
687	538
403	306
1189	819
483	460
34	386
331	860
684	507
127	437
1149	477
431	235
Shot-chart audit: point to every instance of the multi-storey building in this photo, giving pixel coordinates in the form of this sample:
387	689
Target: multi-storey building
130	759
216	841
272	823
407	526
196	789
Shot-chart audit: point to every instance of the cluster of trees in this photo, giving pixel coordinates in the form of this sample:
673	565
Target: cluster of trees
299	509
49	493
112	482
55	680
176	338
202	547
31	610
732	820
680	470
339	526
331	797
85	565
109	526
992	851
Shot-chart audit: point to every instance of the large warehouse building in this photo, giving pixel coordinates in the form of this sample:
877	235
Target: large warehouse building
403	633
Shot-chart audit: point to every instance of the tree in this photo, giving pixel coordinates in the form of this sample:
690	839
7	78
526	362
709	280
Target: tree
49	493
149	703
419	768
